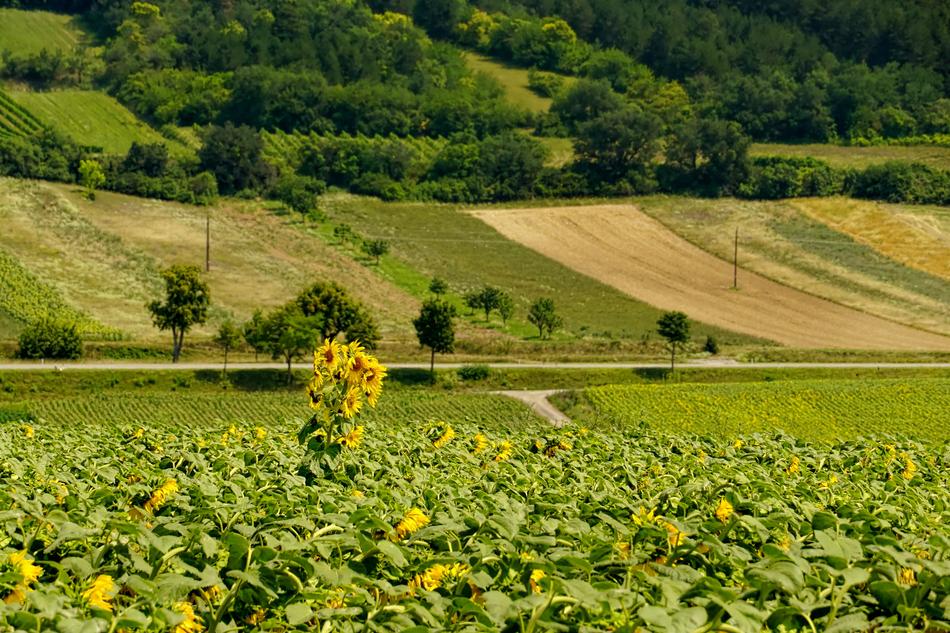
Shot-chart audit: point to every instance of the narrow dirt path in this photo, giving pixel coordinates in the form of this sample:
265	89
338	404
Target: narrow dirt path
539	403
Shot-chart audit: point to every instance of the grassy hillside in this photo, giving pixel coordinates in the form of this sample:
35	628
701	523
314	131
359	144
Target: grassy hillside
91	118
513	80
26	32
858	157
783	242
103	257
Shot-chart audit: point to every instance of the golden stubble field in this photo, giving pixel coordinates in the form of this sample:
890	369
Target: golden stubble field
623	247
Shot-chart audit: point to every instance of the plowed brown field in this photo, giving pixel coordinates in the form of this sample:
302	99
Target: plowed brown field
621	246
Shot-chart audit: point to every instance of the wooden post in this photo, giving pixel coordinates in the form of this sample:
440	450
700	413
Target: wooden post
207	241
735	262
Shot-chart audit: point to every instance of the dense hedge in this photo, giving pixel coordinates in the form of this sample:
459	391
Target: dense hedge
50	339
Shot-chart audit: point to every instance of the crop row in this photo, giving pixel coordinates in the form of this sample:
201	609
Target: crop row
26	299
815	410
520	527
198	410
14	119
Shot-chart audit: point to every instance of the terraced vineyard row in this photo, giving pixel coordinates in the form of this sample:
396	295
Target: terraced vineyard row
14	119
814	410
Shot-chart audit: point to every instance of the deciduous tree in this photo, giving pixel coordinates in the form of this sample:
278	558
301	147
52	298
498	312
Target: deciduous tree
543	316
674	327
435	329
186	304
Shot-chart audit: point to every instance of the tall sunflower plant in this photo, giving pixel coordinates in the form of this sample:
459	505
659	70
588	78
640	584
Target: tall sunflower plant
345	379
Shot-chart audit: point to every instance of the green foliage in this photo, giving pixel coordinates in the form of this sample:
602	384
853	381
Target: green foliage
50	339
775	177
286	333
506	306
486	299
435	328
234	156
186	304
91	177
674	327
438	286
227	338
711	346
617	150
652	543
544	83
375	248
904	182
474	373
338	313
543	315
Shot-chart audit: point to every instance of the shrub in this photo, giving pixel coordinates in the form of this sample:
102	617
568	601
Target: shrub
711	346
903	182
544	83
379	185
775	177
474	372
50	339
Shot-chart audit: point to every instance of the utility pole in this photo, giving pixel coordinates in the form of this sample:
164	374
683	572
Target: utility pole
207	241
735	262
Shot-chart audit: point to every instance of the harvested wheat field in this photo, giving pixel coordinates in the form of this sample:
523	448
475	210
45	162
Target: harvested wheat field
915	235
621	246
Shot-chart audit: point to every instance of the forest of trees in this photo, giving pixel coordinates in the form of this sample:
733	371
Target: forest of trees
668	96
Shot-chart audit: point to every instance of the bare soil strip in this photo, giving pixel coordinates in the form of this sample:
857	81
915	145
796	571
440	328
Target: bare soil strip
623	247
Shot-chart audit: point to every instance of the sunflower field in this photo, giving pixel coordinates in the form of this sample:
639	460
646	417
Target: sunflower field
818	410
466	526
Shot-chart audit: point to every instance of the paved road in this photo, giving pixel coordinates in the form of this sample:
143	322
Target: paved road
130	366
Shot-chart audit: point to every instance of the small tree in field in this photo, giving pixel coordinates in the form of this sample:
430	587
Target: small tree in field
674	327
91	177
544	317
186	304
438	287
487	299
506	307
227	338
435	329
376	248
286	334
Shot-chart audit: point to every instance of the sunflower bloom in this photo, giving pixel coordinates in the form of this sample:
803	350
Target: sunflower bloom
642	517
28	431
906	577
910	468
437	575
160	496
504	451
328	357
412	521
191	623
29	574
795	466
373	382
481	443
352	402
99	594
535	580
315	392
351	439
675	535
447	435
724	510
737	444
260	433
